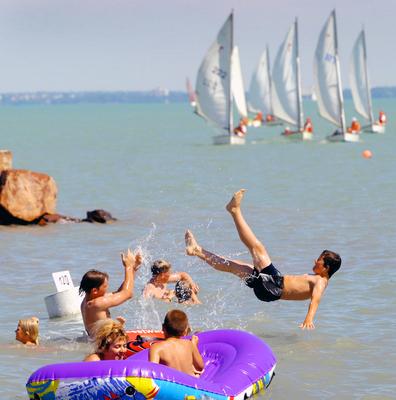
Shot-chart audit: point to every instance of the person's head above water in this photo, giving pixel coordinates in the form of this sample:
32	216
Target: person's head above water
94	280
110	339
183	291
160	267
176	324
27	331
331	261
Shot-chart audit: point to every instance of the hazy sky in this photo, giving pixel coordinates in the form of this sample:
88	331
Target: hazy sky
141	44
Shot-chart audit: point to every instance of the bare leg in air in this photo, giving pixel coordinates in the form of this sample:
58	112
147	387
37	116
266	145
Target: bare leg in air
259	254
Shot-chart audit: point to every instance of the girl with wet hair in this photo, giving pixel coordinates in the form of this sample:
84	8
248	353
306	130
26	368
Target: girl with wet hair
110	341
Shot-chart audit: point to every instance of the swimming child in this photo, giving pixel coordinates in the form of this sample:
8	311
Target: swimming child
27	331
156	287
97	300
266	281
175	352
110	341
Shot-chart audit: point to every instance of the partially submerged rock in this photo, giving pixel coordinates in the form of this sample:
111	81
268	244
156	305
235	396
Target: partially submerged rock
25	196
100	216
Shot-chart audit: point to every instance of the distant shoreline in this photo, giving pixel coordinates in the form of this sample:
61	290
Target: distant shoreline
130	97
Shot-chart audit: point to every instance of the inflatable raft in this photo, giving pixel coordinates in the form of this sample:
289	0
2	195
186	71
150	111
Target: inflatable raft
237	365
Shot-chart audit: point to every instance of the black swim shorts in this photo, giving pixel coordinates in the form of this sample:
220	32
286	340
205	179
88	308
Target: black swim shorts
267	284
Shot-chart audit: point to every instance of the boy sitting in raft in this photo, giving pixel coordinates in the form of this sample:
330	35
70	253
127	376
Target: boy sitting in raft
175	352
97	301
27	331
110	341
156	287
266	281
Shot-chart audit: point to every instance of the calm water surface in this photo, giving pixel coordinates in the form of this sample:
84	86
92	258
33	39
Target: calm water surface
155	169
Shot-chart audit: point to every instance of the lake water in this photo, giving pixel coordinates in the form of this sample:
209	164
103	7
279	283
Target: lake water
154	168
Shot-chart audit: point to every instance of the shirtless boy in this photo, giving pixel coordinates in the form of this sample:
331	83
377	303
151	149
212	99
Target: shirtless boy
266	281
175	352
156	287
97	301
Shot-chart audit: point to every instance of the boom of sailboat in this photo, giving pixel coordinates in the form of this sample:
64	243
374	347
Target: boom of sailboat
276	98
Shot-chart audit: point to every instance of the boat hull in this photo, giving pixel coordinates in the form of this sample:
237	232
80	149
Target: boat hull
297	135
229	139
375	128
343	137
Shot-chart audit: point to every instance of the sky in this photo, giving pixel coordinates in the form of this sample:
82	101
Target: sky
75	45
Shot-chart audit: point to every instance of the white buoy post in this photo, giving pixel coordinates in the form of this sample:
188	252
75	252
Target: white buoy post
63	304
67	300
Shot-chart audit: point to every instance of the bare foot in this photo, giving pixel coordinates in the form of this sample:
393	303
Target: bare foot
192	247
235	202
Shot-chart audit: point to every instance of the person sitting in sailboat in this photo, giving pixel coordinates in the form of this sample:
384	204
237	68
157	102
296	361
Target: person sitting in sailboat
258	119
382	118
269	118
355	126
241	129
308	127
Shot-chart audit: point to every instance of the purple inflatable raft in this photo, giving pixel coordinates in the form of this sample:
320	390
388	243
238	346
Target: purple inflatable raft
237	365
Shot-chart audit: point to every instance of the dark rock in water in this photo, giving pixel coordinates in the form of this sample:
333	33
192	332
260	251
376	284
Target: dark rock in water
25	196
54	218
100	216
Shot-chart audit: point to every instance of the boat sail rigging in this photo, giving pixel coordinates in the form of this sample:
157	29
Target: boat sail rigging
286	88
219	80
360	86
327	77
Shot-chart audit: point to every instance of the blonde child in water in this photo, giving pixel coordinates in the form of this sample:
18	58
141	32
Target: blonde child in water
27	331
110	341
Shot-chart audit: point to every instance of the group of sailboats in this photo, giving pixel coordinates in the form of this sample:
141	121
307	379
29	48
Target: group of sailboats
278	96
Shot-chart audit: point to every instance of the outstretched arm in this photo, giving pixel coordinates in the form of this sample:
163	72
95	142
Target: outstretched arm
317	293
198	362
131	263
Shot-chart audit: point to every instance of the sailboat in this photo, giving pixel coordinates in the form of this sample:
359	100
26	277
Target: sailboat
219	83
259	96
191	93
327	78
360	86
286	88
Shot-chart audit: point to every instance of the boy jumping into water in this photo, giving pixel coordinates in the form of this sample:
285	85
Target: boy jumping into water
266	281
97	301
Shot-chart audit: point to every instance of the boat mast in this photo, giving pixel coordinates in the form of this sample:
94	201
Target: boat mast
270	110
230	97
367	79
339	85
298	75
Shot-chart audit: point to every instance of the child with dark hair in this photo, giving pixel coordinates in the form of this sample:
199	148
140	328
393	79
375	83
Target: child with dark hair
175	351
97	301
161	275
266	281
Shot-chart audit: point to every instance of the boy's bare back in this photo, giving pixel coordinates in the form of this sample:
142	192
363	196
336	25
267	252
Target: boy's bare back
180	354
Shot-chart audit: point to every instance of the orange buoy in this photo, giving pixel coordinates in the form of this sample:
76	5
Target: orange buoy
367	154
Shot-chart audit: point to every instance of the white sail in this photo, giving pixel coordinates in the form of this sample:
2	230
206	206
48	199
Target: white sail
237	87
327	75
259	97
213	85
358	78
286	93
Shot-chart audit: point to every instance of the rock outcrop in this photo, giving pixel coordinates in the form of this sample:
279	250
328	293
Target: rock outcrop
100	216
25	196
